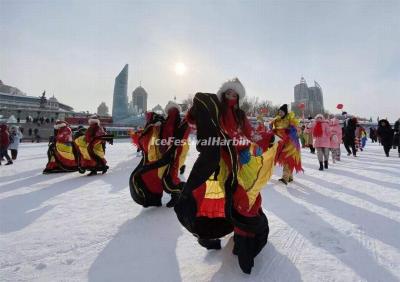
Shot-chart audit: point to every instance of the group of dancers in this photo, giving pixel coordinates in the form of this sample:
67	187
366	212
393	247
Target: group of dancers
222	192
82	151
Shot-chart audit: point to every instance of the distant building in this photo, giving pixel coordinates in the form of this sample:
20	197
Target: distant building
139	100
102	109
311	97
120	98
21	106
158	109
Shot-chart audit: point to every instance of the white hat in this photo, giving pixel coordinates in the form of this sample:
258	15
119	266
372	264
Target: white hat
171	105
59	124
94	119
235	85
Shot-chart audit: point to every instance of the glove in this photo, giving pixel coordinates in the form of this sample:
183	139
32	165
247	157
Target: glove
244	156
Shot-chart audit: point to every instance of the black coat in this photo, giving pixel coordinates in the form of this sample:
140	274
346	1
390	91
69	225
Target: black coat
385	133
349	130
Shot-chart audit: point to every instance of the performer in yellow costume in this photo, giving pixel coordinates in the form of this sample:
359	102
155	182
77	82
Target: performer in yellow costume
289	152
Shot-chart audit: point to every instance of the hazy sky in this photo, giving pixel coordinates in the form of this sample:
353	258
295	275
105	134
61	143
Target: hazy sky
75	49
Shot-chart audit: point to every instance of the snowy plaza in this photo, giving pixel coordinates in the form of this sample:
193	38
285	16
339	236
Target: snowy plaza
340	224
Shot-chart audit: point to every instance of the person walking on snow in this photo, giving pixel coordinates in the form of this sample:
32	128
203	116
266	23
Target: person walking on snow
15	139
335	139
308	139
349	128
4	142
385	134
396	138
321	134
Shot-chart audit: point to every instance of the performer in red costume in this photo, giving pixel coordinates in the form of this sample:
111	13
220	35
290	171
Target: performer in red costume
222	193
61	153
91	147
164	147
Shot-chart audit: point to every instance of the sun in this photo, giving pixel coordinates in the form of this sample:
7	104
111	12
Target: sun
180	68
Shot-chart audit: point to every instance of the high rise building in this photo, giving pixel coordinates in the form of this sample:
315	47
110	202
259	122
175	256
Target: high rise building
311	97
139	100
120	98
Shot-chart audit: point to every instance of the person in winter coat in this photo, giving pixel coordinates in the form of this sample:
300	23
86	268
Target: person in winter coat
4	142
349	135
385	134
335	139
372	135
396	138
363	137
308	139
15	139
322	143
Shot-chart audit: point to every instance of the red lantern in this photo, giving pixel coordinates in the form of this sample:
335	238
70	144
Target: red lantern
339	106
301	106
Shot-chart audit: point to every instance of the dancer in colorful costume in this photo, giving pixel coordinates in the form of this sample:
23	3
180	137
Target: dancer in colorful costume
289	154
222	193
91	147
164	146
61	154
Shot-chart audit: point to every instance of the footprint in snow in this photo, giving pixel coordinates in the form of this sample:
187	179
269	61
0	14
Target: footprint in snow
41	266
69	261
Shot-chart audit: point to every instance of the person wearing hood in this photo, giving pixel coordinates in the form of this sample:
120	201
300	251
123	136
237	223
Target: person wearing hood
335	139
15	139
385	134
289	152
61	153
222	192
322	134
4	143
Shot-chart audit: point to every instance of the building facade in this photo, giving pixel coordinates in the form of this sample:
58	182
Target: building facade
311	97
139	100
120	97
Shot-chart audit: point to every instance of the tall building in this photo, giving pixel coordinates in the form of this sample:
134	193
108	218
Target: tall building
139	100
311	97
120	98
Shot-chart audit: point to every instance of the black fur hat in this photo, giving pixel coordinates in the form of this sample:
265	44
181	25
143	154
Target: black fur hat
284	108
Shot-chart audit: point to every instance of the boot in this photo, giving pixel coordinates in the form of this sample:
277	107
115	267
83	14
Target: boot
9	163
244	248
326	164
210	244
93	172
104	170
283	181
174	200
321	166
153	202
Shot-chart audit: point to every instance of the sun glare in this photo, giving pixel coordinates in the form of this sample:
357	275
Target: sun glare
180	69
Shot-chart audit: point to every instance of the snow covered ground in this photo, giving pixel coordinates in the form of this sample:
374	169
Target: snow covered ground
337	225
